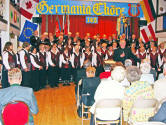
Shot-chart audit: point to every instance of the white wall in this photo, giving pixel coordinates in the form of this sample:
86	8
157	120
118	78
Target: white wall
5	34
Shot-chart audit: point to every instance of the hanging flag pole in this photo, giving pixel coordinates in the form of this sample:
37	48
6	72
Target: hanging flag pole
68	24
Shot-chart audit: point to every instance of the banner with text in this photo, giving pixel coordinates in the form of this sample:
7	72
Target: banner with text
74	7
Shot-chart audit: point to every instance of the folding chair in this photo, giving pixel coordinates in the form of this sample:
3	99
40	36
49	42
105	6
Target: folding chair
15	113
142	104
85	110
150	123
108	104
89	86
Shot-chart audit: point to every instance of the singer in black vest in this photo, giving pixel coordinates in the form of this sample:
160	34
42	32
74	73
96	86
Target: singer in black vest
44	63
53	61
25	65
76	61
35	67
9	62
65	64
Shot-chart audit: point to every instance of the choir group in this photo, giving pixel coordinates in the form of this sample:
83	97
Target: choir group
48	59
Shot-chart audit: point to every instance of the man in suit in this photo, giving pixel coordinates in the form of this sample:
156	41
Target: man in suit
35	40
18	93
123	53
133	40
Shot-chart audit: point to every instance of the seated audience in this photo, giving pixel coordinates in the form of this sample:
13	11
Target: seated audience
160	89
146	76
125	82
90	72
160	115
109	89
107	73
18	93
152	71
138	89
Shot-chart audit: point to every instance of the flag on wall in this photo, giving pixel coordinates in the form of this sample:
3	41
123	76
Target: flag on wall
27	31
28	7
148	10
147	31
66	23
57	26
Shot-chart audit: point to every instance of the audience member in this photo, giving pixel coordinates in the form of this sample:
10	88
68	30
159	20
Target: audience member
109	89
107	73
146	76
18	93
160	89
160	115
138	89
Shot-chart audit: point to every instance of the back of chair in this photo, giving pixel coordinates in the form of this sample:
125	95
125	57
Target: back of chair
145	103
142	109
15	113
89	86
108	111
149	123
108	103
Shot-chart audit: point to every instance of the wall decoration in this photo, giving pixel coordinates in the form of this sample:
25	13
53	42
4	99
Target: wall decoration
2	4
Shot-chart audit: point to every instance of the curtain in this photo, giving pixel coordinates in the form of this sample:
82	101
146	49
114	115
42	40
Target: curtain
106	25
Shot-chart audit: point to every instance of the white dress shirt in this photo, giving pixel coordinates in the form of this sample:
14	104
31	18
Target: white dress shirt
5	57
33	61
22	60
108	89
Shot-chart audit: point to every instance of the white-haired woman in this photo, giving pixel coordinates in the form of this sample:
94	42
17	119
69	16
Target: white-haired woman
138	89
109	89
145	70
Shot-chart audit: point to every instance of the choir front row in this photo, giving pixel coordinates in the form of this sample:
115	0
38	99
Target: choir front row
50	64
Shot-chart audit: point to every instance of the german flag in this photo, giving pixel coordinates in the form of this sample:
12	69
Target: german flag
148	10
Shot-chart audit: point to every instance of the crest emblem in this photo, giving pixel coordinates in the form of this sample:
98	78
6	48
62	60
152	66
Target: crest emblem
134	10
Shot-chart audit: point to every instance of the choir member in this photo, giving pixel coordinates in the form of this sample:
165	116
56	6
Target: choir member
42	56
114	38
25	65
123	37
69	45
98	59
110	40
153	55
161	51
53	61
114	45
104	49
60	44
110	53
104	39
51	39
133	40
35	67
65	64
77	35
133	50
76	61
87	55
9	62
141	53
